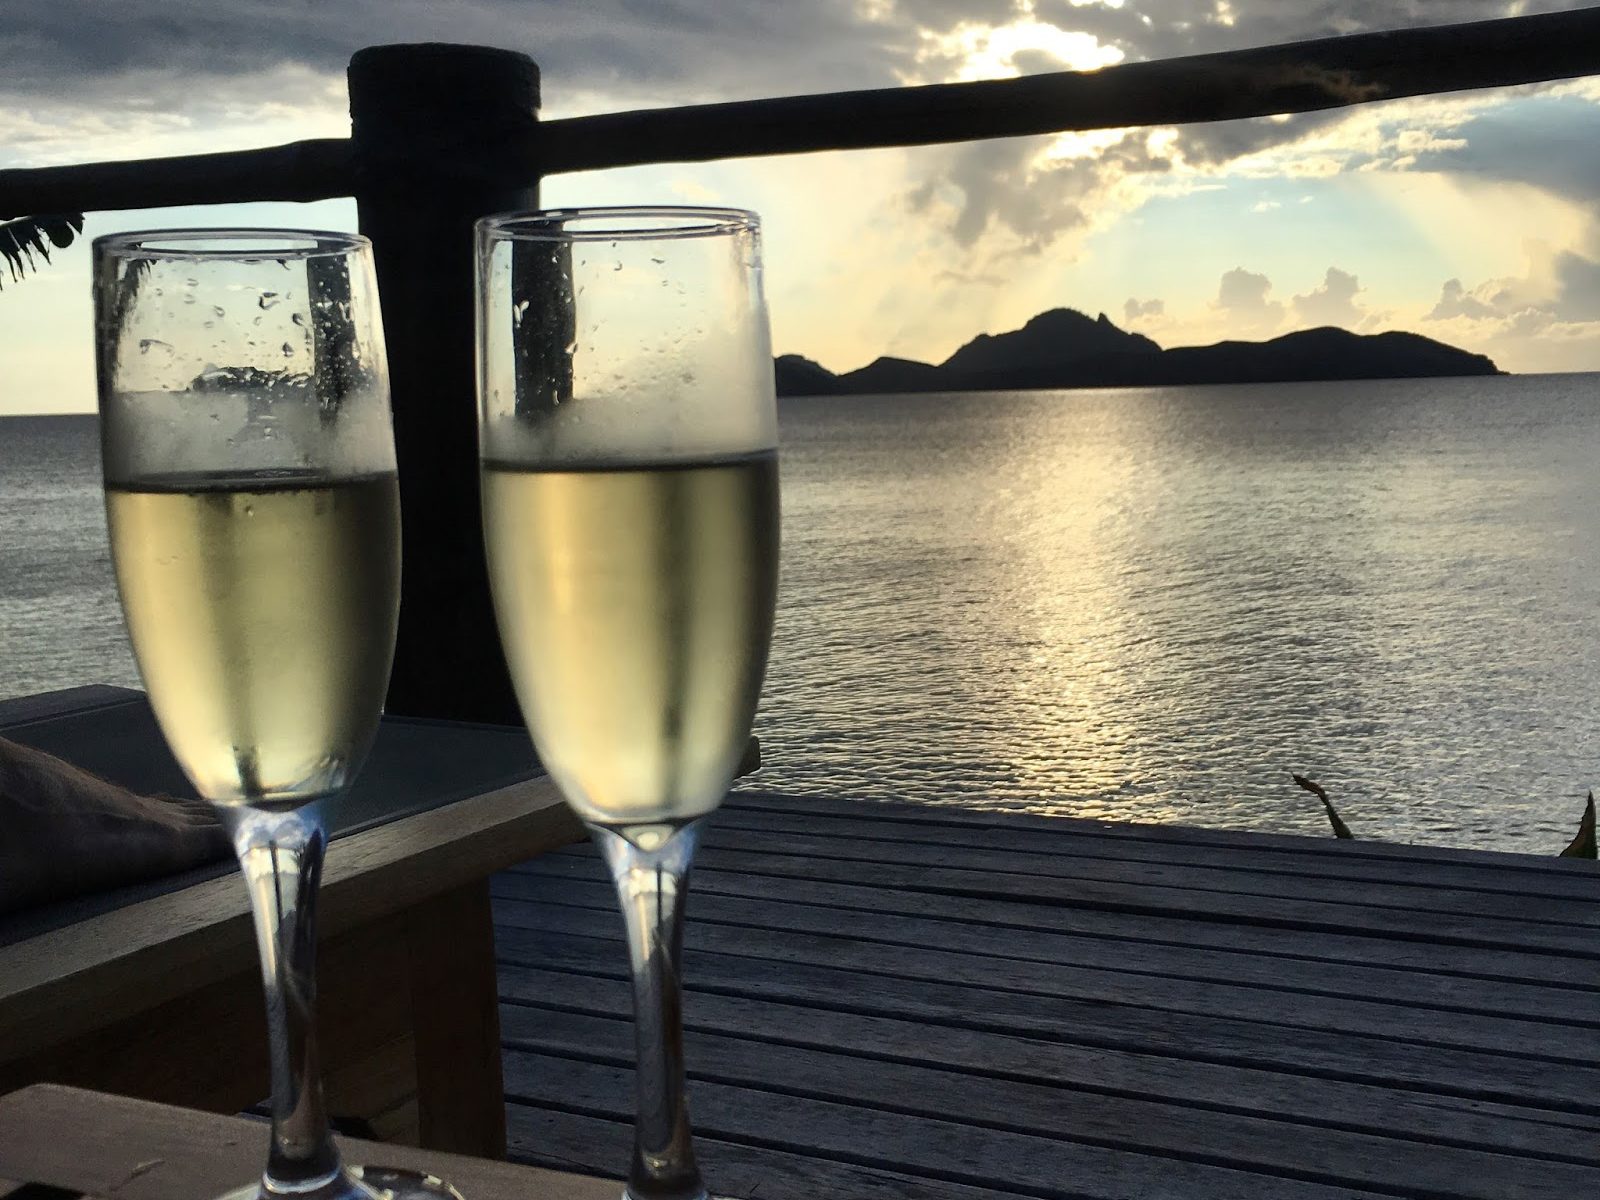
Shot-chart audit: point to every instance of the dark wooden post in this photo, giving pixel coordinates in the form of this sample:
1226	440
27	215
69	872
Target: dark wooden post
434	129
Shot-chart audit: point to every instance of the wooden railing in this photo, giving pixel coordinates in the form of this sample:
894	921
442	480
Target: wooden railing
1268	81
441	135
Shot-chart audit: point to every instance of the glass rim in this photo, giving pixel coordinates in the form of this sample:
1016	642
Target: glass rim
198	244
618	222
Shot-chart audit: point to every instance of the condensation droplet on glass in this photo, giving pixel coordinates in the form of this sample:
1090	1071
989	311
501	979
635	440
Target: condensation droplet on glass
571	347
616	266
518	311
148	344
249	509
218	311
658	261
267	300
288	350
299	319
211	325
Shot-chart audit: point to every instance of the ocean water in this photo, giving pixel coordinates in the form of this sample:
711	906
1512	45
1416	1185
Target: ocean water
1135	604
59	621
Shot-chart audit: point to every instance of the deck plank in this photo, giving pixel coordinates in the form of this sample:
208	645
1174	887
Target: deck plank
1239	879
962	1153
1182	835
521	897
1490	876
548	1135
1336	1104
1257	1144
902	1004
1153	900
1131	929
1526	1039
1367	1058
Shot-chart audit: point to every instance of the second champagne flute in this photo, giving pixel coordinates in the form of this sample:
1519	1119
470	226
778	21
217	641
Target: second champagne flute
630	510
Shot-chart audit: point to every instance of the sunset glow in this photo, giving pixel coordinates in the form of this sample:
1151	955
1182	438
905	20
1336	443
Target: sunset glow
1469	217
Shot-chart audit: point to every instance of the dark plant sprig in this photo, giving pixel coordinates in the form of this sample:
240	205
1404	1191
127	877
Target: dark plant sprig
23	237
1340	829
1581	846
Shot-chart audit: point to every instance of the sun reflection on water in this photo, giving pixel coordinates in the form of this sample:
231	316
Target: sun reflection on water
1152	605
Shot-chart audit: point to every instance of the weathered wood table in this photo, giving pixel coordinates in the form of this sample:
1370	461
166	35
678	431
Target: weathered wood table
58	1142
155	991
911	1003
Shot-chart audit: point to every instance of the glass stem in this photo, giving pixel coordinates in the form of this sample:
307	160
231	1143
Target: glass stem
281	855
652	886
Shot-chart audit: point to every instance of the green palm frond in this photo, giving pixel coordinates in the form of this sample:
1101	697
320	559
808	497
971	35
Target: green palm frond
1583	846
23	237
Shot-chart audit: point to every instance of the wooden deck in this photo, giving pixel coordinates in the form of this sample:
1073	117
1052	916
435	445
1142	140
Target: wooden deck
918	1003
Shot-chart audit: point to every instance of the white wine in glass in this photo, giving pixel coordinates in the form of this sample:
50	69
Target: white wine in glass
254	519
636	605
262	606
628	431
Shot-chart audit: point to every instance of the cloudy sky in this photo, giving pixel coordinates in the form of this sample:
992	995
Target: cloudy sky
1471	218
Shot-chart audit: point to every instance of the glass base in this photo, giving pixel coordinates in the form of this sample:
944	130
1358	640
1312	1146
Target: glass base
358	1183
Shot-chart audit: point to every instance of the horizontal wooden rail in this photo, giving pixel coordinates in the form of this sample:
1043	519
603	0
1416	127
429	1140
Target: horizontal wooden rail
311	170
1297	77
1292	78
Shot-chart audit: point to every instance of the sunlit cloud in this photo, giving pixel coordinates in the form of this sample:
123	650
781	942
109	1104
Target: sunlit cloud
1331	302
1134	310
1558	287
974	51
161	114
1243	297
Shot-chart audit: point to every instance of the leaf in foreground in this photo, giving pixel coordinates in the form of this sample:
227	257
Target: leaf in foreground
1340	829
23	237
1582	846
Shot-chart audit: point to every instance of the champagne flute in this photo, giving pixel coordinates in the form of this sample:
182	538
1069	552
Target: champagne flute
628	433
254	519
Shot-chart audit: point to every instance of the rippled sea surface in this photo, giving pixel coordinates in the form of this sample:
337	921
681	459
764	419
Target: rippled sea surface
1136	604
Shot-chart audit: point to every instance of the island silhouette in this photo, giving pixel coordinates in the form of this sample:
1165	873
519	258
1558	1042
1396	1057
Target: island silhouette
1064	348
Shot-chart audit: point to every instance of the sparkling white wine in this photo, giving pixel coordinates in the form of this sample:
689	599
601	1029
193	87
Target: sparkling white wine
262	612
635	608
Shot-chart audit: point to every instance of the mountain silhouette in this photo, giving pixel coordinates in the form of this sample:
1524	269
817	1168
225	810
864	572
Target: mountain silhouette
894	375
1063	348
1052	339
